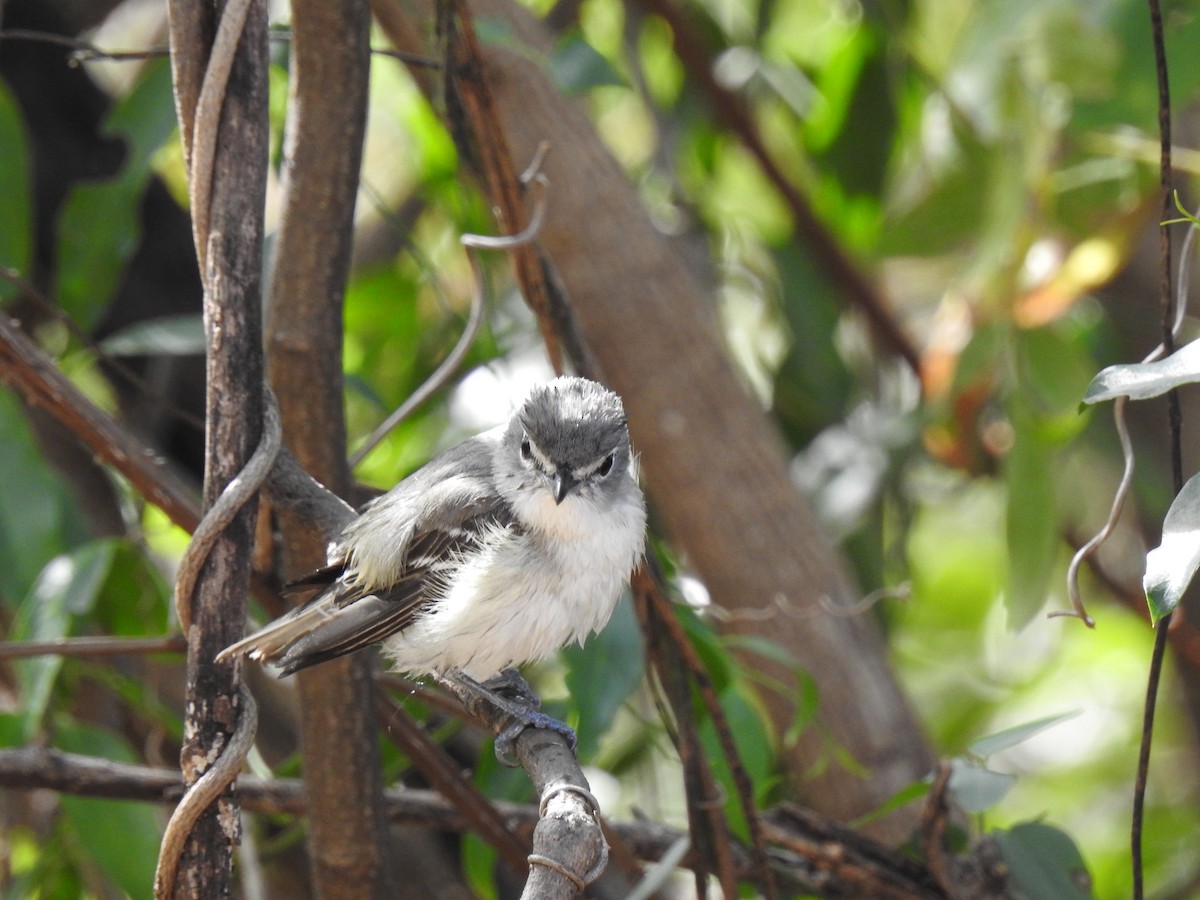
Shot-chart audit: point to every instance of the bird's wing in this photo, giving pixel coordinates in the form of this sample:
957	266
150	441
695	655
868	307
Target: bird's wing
386	563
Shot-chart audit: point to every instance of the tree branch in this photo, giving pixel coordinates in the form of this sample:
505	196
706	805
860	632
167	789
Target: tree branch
226	122
810	854
348	838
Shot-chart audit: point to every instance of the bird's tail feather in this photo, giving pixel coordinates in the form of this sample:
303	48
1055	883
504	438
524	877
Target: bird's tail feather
271	642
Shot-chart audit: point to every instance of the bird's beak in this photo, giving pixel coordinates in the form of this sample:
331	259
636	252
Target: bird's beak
564	483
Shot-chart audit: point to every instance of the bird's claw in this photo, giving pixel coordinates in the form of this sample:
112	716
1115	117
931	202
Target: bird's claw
530	718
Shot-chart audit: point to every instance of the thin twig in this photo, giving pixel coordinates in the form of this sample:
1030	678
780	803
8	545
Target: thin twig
1174	421
31	292
236	494
85	647
203	793
440	376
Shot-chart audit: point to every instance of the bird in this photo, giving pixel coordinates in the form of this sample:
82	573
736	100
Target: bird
496	553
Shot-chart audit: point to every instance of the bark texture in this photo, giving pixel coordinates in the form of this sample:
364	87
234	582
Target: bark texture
348	835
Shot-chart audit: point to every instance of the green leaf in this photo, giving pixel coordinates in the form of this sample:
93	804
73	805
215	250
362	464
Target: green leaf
180	335
1171	565
119	836
977	788
577	66
38	519
1043	863
1032	522
898	800
1140	381
98	226
16	229
1010	737
602	675
66	588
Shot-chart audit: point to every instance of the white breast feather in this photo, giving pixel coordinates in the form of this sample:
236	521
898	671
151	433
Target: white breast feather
530	592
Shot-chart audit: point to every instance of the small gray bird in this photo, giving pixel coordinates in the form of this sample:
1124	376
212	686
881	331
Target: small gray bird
498	552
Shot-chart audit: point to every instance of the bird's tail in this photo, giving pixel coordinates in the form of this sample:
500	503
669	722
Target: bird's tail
271	643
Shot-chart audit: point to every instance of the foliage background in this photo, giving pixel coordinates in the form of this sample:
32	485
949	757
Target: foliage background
990	166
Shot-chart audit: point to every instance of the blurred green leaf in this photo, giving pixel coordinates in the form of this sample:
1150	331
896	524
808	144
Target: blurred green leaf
713	655
121	837
180	335
38	517
1171	565
939	208
1043	863
1140	381
135	596
898	800
602	675
98	228
16	225
479	866
577	66
66	588
1055	368
1010	737
853	132
1031	526
812	385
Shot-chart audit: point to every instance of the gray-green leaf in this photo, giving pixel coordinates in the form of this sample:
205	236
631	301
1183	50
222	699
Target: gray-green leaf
1140	381
1171	565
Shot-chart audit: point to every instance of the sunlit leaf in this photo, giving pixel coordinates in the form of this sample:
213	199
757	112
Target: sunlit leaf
977	788
1043	863
1139	381
1171	565
67	587
1010	737
16	224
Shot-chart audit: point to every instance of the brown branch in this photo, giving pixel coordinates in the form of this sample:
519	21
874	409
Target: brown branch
348	843
706	818
650	594
221	97
447	779
811	854
474	121
88	647
25	368
732	112
1174	429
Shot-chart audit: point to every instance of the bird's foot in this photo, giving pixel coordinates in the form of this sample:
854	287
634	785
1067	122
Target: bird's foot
510	694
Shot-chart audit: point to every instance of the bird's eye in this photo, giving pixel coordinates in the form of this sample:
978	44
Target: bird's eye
526	450
606	466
